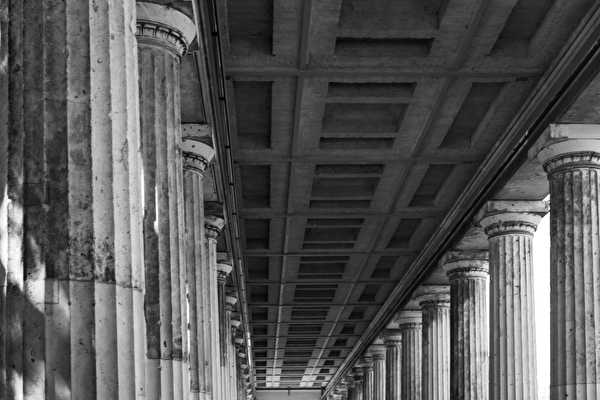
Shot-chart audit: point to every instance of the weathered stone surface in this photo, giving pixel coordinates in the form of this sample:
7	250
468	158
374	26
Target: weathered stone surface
223	270
160	46
393	359
469	324
368	377
512	330
357	375
435	307
195	162
410	324
377	352
572	160
213	225
70	243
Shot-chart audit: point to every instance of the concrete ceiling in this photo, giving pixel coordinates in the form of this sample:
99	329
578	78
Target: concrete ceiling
356	124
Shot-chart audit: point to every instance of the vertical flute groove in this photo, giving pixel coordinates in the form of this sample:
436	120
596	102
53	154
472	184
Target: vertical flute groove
379	372
67	241
411	360
393	360
512	353
575	282
368	392
435	306
469	331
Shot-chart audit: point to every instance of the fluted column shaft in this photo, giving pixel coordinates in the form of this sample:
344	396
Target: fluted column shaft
232	385
358	386
411	356
378	353
435	309
222	271
368	382
197	155
237	372
160	48
240	378
573	168
230	302
512	329
469	326
214	223
393	360
70	243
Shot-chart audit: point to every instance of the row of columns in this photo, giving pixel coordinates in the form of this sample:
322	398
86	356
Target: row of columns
112	287
475	338
191	312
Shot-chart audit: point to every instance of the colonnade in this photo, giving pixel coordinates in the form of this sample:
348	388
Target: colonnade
474	338
113	287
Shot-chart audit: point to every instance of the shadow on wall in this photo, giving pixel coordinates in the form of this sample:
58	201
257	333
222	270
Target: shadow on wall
34	315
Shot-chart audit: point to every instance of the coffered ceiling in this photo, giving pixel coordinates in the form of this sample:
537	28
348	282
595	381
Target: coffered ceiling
356	124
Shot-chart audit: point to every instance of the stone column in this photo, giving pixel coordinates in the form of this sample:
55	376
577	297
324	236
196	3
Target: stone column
469	323
377	351
246	383
357	374
230	302
367	366
571	157
512	331
409	323
341	390
435	308
223	270
197	155
214	223
70	243
350	394
243	376
393	359
163	35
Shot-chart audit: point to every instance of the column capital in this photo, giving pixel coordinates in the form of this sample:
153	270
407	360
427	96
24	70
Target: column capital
197	154
466	263
235	324
366	362
408	319
512	217
214	219
230	302
433	294
348	380
357	373
566	146
392	337
377	351
223	270
159	25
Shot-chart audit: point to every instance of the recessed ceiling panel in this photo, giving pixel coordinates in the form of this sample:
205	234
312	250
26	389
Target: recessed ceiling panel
352	144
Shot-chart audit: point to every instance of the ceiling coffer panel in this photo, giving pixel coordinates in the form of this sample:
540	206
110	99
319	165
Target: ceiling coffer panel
356	125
